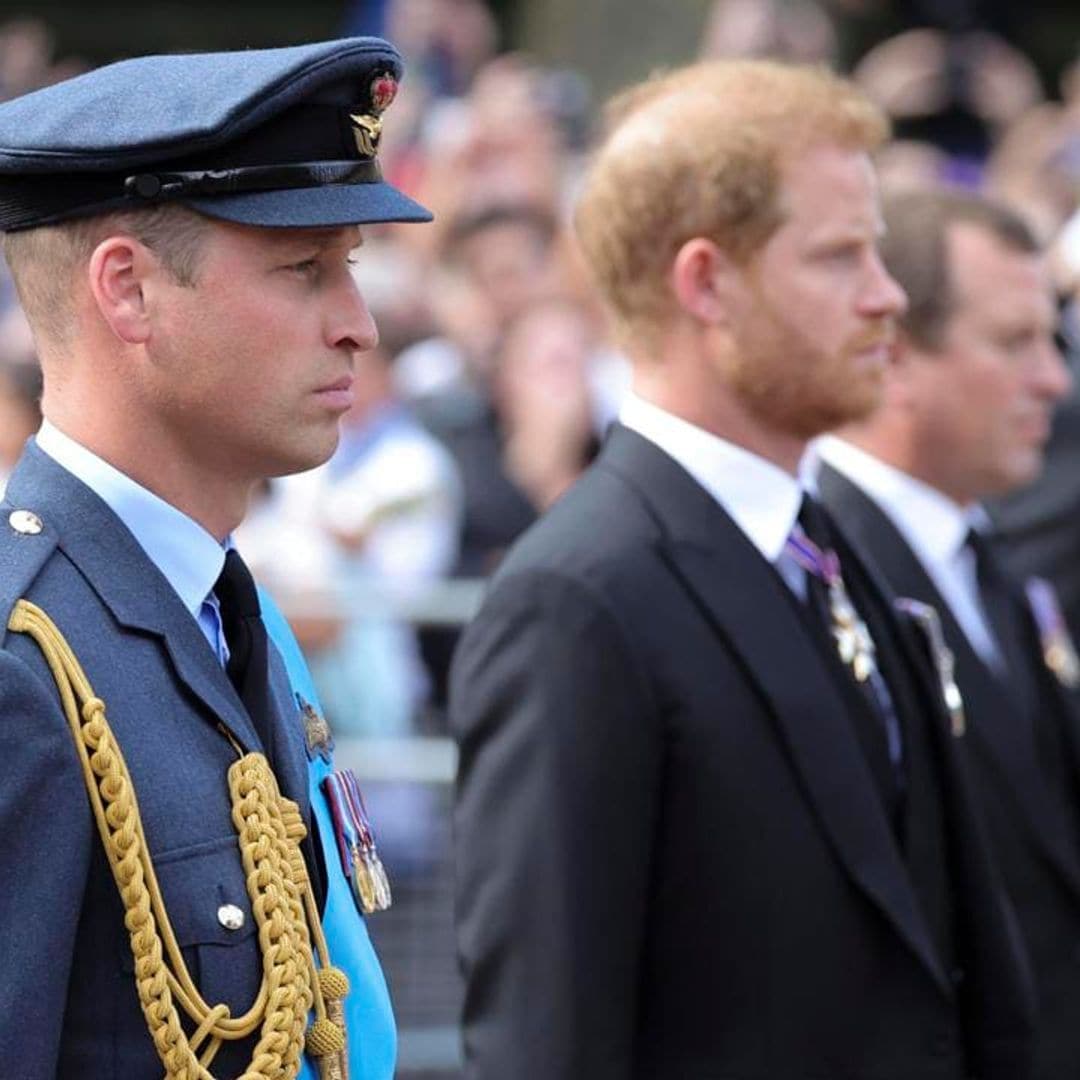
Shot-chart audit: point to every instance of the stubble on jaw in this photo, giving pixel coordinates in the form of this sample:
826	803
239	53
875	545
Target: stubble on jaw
790	385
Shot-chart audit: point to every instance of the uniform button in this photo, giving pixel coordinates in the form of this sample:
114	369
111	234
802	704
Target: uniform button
25	522
230	916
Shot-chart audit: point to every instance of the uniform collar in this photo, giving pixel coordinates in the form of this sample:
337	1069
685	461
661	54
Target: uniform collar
761	498
186	554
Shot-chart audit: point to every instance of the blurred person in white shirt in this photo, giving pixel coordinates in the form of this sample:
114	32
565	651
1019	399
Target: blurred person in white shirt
346	544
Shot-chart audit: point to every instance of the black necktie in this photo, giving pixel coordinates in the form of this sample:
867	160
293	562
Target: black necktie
245	634
249	671
881	738
814	524
1000	607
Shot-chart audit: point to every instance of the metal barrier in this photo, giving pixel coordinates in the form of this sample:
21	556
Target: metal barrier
408	786
448	603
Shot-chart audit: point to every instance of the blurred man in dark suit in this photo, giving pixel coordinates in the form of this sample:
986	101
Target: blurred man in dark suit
966	415
1037	525
711	819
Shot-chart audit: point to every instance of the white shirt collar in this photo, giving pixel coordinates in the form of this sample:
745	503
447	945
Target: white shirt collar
934	526
762	499
189	557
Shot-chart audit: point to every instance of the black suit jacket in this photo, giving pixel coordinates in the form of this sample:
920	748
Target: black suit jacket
1028	824
672	858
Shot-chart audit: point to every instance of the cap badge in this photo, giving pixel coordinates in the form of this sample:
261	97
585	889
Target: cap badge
367	127
383	91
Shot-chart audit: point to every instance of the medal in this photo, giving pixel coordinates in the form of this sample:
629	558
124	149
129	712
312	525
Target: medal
929	622
853	642
355	838
1059	652
317	735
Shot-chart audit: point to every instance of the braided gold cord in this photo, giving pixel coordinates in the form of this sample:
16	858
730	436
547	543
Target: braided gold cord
269	829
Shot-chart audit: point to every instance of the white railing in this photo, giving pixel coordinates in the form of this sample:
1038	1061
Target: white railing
418	759
450	602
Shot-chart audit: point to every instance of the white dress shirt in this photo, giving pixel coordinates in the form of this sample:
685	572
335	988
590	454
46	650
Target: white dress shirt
934	527
761	497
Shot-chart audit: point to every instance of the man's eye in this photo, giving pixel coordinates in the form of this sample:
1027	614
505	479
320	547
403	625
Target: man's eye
1019	343
308	266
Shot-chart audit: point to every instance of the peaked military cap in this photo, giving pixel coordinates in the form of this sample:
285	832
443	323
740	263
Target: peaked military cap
272	137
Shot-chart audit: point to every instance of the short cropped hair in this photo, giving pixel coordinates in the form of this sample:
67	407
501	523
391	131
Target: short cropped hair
699	152
44	261
915	251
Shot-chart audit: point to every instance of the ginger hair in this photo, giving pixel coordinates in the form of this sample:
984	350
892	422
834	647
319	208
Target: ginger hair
699	152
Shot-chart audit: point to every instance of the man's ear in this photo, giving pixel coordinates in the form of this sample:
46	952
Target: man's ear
118	270
706	281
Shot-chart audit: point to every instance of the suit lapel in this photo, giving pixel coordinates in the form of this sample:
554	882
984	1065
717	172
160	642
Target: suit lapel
996	733
742	596
140	598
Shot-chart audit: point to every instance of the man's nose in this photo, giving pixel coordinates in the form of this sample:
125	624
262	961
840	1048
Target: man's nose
350	324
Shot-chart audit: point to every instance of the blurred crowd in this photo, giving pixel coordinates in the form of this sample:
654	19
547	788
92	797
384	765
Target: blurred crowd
494	380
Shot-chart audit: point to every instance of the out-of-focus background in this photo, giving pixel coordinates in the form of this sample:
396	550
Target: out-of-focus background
495	378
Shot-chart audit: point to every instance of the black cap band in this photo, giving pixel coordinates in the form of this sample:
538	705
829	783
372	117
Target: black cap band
26	201
152	187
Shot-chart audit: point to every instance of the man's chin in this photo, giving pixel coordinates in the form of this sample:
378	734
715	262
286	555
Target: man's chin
1019	475
834	415
304	459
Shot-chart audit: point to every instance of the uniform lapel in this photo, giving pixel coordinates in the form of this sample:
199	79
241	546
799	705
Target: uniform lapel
996	732
139	597
742	597
290	758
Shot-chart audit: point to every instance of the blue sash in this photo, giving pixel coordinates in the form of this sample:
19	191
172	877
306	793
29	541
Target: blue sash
368	1014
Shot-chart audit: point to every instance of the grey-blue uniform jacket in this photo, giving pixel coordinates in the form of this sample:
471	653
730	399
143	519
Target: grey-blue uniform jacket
68	1003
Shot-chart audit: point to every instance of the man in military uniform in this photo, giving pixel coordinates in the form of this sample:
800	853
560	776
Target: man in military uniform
175	893
712	821
966	416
